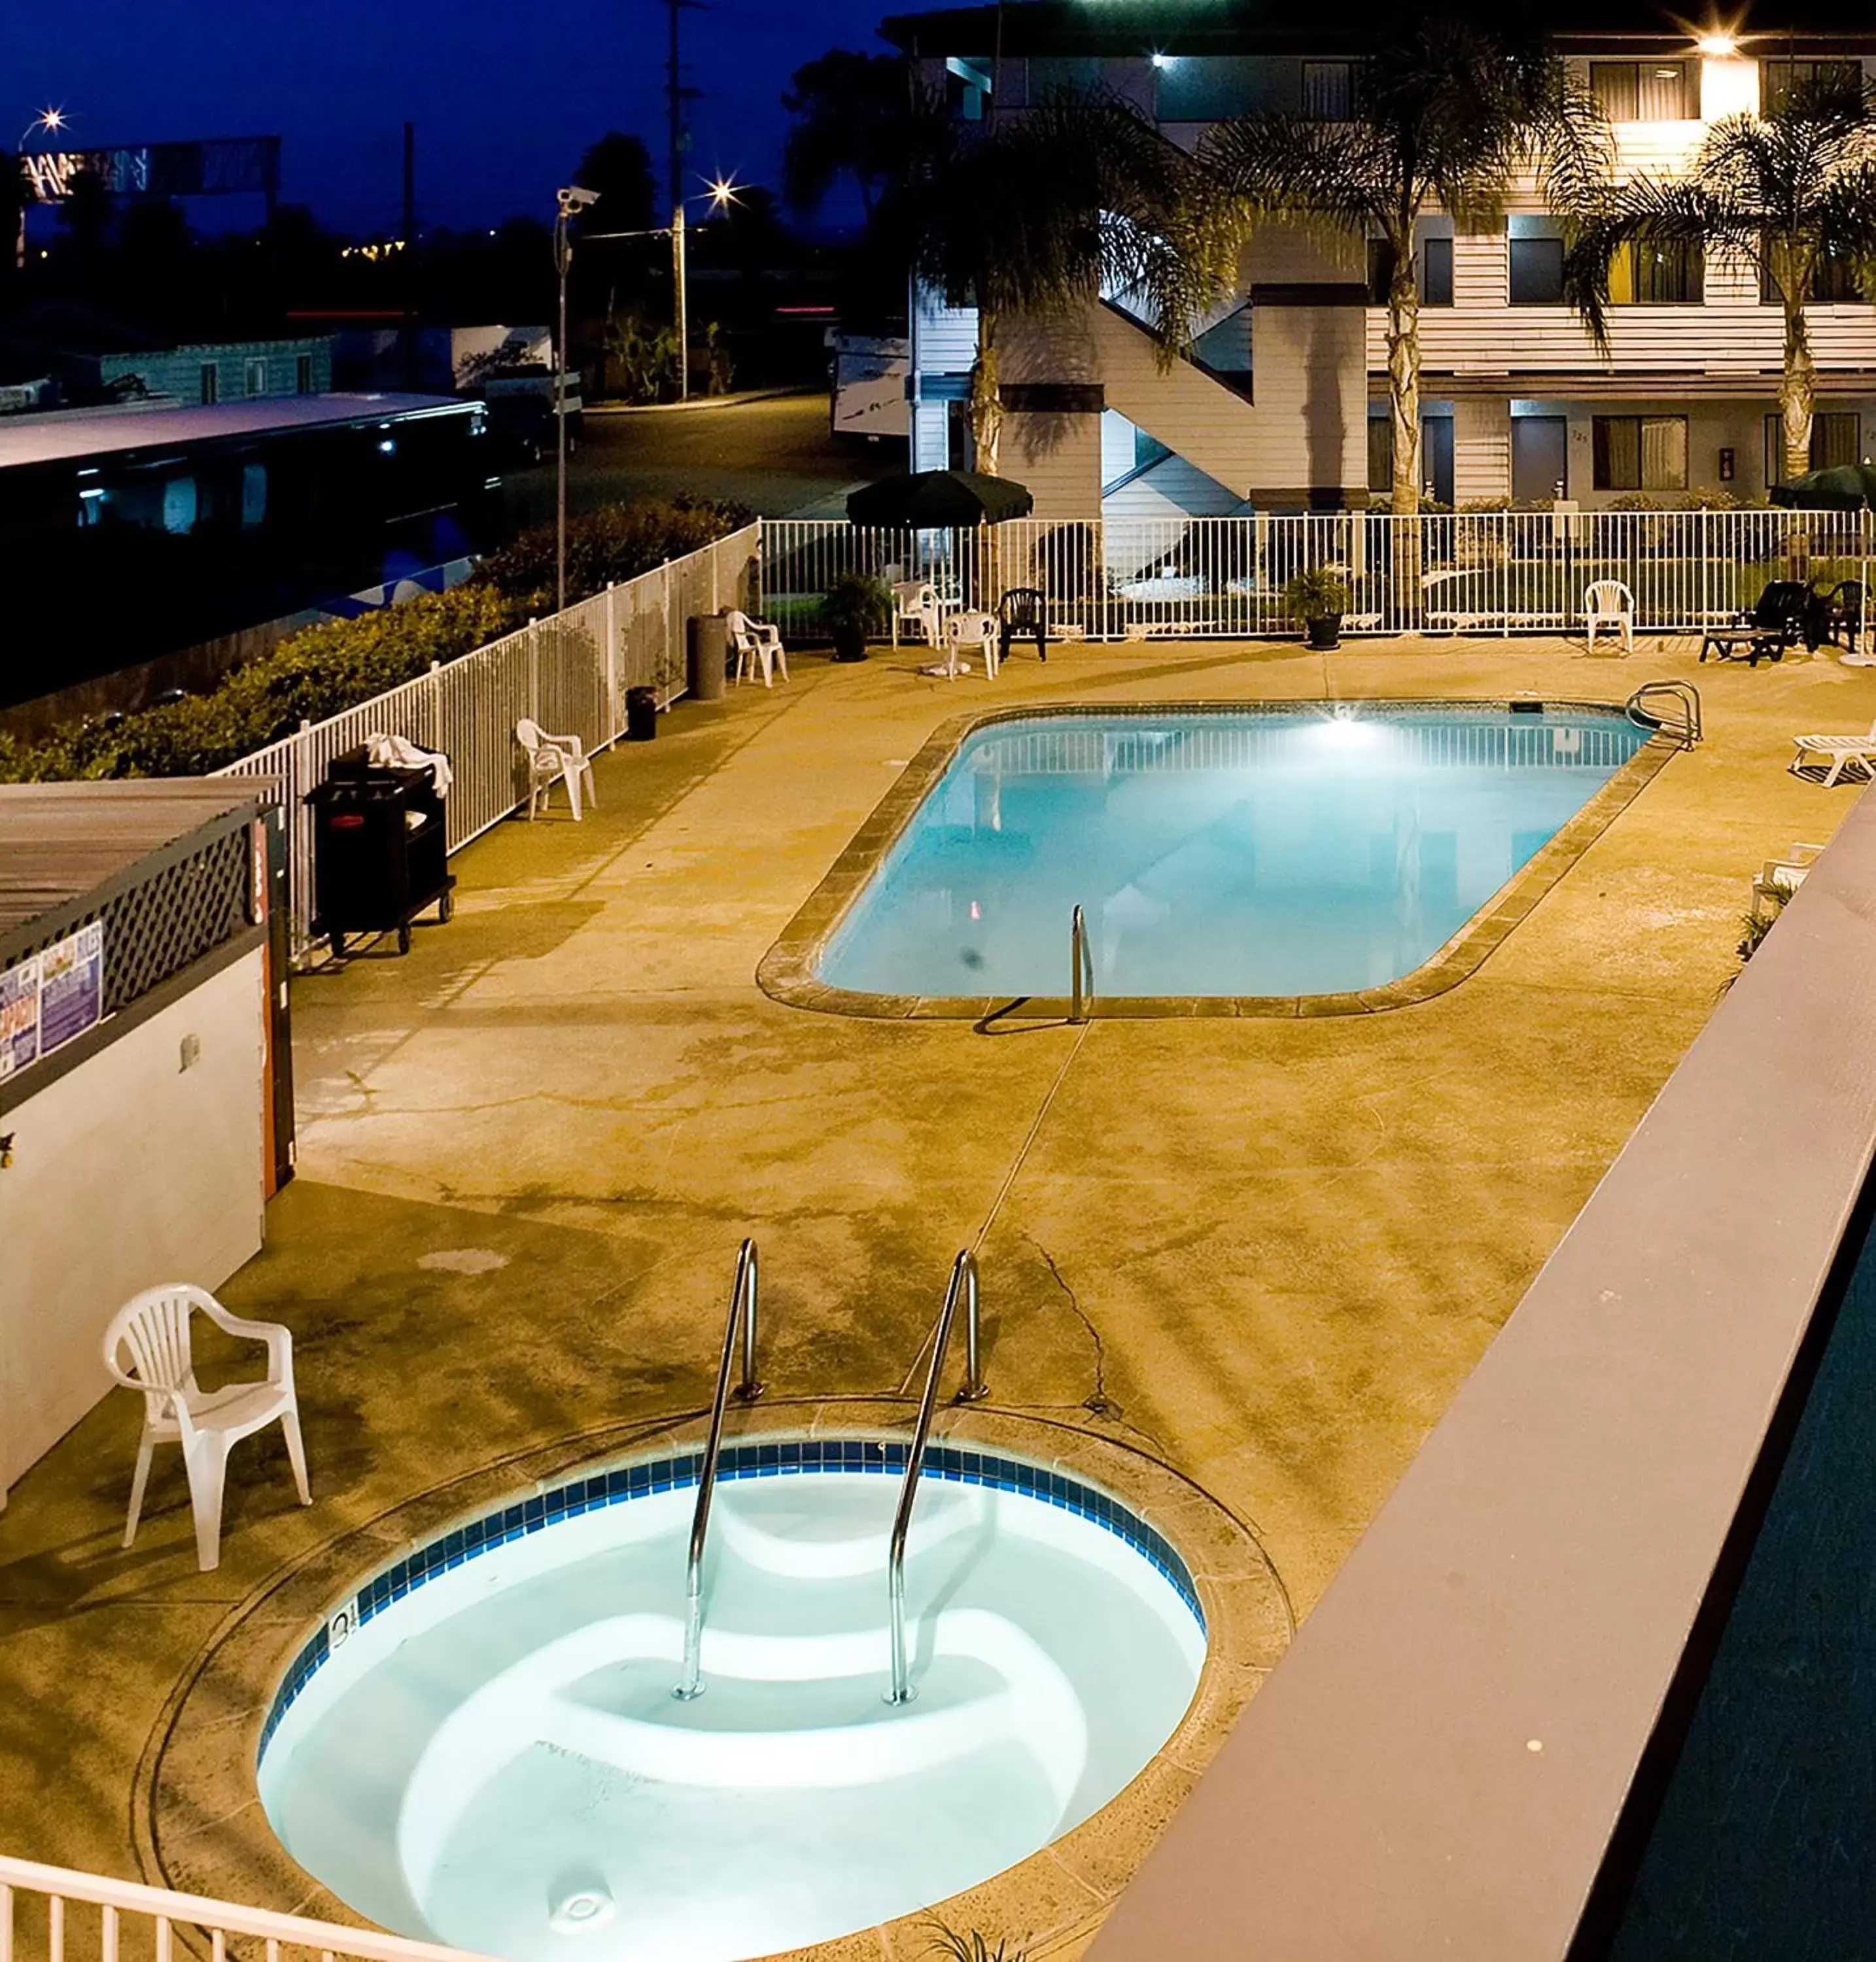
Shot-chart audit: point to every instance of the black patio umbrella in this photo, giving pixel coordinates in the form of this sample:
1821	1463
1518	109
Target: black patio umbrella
939	501
1844	487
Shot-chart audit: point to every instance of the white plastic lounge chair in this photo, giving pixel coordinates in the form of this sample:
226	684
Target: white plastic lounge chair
758	644
915	604
153	1327
1782	877
552	760
1609	603
1831	754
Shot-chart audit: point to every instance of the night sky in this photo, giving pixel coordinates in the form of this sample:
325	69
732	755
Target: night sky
506	94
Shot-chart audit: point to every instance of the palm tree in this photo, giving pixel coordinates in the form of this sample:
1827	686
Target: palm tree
1444	116
1043	212
1793	194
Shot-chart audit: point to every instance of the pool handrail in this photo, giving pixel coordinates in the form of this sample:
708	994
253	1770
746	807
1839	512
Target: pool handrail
1080	960
743	1299
1684	726
964	1284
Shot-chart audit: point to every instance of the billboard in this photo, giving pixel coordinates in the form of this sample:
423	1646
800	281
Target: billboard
209	168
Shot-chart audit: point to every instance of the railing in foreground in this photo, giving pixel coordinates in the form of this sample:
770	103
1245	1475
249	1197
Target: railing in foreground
570	672
124	1921
1495	572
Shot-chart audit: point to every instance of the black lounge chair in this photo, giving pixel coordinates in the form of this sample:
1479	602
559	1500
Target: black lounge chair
1777	622
1022	611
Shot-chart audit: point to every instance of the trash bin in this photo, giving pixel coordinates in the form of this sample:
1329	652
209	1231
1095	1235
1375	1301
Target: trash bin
641	714
708	648
380	850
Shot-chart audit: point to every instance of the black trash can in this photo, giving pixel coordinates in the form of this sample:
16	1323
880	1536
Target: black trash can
641	714
380	850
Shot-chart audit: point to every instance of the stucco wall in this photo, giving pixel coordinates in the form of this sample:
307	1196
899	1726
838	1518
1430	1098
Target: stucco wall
130	1170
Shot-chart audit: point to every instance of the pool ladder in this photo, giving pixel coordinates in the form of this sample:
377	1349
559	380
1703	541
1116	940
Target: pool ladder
963	1287
743	1301
1672	707
1080	965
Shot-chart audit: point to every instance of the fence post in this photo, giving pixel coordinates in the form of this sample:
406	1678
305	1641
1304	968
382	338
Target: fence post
610	676
534	668
669	665
436	707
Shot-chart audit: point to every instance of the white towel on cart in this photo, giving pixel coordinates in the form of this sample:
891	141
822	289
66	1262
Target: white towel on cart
398	753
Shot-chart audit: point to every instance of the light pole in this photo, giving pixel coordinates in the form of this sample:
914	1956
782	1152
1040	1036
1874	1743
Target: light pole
721	195
574	197
47	120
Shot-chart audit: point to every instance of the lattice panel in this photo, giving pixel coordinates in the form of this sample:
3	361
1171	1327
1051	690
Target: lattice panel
158	928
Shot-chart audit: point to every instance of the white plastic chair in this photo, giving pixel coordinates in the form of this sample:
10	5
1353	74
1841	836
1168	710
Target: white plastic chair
153	1327
553	759
1780	878
915	604
1609	603
968	631
758	643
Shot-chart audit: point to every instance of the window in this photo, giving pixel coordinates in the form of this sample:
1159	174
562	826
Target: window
211	383
1833	283
1380	453
1641	453
1777	79
257	375
1537	272
1436	272
1433	272
1647	91
302	374
1836	437
1329	90
1665	275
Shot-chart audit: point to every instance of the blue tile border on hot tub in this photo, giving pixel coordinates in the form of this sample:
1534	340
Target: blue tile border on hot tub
673	1472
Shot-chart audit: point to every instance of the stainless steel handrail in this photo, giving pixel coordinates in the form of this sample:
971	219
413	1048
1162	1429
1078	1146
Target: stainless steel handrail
963	1282
1081	960
742	1294
1686	697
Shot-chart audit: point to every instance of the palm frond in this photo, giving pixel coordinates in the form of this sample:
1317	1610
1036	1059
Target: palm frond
972	1948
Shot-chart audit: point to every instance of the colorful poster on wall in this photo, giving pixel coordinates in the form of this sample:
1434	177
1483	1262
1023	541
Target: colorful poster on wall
71	986
19	1015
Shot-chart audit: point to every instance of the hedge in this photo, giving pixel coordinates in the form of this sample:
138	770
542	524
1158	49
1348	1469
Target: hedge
325	669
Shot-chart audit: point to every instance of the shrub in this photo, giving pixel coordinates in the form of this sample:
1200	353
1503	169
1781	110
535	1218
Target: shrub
617	543
331	666
1317	594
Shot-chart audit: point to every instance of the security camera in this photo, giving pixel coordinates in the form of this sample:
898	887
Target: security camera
577	197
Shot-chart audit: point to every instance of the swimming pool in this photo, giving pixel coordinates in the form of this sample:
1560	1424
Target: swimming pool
481	1746
1273	851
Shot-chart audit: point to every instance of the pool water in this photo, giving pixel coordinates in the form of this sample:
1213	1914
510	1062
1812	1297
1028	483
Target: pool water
497	1760
1303	852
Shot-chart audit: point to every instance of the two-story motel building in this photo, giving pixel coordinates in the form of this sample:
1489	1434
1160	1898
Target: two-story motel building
1282	404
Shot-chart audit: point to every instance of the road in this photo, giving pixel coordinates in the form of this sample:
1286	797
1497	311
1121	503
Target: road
776	456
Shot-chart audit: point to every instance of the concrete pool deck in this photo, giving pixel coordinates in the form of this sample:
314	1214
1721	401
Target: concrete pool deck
1271	1248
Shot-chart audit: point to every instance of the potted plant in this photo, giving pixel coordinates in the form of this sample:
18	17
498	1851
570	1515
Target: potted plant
855	606
1318	597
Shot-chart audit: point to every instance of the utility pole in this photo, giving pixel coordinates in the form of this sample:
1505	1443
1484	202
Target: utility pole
409	256
676	95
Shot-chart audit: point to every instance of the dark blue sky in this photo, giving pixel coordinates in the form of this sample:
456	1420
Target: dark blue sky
506	94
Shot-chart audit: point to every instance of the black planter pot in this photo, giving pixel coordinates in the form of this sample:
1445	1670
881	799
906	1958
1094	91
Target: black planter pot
1325	631
849	644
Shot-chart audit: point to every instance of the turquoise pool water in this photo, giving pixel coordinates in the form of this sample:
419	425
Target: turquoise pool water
1303	852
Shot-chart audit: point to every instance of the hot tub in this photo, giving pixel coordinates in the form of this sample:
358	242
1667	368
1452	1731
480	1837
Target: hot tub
482	1745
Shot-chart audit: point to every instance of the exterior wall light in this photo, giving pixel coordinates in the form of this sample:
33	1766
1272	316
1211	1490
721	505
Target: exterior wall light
1162	59
1717	44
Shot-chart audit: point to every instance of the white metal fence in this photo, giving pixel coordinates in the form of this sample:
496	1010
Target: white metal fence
570	672
55	1913
1499	572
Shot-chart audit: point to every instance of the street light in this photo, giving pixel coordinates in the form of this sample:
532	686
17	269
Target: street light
574	197
719	196
47	120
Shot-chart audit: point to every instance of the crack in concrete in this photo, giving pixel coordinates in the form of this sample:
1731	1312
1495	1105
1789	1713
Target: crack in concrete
1098	1402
